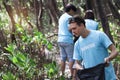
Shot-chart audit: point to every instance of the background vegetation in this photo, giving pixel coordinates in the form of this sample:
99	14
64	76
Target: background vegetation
28	35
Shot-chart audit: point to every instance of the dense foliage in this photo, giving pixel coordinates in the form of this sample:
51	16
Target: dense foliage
28	36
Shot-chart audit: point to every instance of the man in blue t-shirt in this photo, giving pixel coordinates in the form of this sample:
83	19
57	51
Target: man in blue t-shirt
65	38
92	47
90	22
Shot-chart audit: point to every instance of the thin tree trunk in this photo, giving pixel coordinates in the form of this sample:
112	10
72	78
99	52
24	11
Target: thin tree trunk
51	7
107	8
40	15
38	8
89	4
3	41
58	14
114	10
96	10
117	3
10	13
103	18
65	2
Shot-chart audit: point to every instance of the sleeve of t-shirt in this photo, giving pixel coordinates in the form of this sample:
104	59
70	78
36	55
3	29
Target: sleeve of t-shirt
67	23
105	40
97	25
68	18
77	52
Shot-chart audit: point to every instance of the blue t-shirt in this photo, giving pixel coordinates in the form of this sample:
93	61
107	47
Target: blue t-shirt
91	24
64	35
92	50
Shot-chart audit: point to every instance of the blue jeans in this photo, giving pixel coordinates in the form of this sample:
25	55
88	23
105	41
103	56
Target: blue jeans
66	51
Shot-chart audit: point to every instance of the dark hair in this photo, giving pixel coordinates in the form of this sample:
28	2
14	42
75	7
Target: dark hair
69	7
89	15
78	19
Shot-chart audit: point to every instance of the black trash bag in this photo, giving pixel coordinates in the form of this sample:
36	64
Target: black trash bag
75	38
93	73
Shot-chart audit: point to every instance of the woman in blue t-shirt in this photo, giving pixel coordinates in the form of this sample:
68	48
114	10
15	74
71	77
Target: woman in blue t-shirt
90	22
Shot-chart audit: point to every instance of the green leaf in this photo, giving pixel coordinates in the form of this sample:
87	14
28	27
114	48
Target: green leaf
14	59
49	46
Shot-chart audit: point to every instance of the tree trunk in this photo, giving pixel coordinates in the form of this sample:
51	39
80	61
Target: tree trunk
58	14
38	14
65	2
10	13
96	10
3	41
117	3
114	10
51	7
103	18
89	4
107	8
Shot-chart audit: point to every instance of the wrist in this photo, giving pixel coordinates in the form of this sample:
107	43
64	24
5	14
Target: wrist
109	58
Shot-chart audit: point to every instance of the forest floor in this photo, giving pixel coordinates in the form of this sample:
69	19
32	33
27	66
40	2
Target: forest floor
67	71
58	61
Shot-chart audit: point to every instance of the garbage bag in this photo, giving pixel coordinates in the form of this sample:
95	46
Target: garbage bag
94	73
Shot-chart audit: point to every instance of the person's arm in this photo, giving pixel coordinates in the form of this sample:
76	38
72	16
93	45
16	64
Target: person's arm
113	53
77	67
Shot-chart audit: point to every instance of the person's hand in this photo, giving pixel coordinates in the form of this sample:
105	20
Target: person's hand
78	67
107	61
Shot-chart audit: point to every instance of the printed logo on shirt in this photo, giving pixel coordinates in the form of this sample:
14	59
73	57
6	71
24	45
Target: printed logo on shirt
88	46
